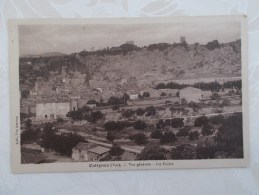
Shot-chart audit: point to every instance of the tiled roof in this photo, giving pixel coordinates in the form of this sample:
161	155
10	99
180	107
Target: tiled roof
99	150
29	156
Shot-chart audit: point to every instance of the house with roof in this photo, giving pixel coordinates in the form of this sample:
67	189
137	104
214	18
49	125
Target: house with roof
97	153
190	94
88	152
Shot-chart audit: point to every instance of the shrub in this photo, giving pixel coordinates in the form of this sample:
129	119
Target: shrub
163	94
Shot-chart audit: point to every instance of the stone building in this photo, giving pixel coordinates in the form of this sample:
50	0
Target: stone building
190	94
54	109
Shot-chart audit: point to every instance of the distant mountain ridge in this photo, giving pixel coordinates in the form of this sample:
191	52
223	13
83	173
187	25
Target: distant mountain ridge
48	54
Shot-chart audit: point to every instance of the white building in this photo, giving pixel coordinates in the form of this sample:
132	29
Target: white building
190	94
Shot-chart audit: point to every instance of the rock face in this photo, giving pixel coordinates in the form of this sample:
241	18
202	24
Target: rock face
146	65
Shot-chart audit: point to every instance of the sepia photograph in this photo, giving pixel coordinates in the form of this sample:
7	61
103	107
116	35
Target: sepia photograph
120	94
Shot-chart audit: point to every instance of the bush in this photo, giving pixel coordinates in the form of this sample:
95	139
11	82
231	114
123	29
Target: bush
156	134
168	137
138	138
194	135
139	125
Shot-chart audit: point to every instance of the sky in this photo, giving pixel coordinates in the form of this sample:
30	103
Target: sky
39	39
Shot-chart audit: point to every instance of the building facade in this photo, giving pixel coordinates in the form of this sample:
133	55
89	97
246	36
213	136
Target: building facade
52	110
190	94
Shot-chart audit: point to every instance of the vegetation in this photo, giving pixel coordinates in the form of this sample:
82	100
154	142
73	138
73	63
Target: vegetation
193	135
116	151
153	152
116	125
140	125
168	137
183	152
139	138
157	134
201	121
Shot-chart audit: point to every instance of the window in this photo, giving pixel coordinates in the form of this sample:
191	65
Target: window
46	116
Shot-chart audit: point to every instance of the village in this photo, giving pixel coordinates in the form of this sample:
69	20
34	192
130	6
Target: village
107	116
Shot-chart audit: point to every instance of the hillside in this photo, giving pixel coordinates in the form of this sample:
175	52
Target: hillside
157	62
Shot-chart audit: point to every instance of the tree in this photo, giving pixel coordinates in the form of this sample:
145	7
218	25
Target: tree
217	120
116	151
128	113
184	132
139	125
215	96
213	45
163	94
150	111
224	103
114	101
146	94
29	136
94	116
156	134
160	124
139	138
153	152
110	137
125	98
28	124
116	125
140	112
184	101
201	121
193	135
230	135
177	122
60	120
182	152
207	130
168	137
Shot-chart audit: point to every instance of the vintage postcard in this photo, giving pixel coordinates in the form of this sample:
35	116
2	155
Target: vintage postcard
127	94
